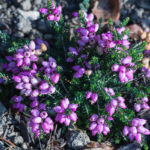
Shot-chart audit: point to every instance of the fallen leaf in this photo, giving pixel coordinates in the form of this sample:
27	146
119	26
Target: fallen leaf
105	9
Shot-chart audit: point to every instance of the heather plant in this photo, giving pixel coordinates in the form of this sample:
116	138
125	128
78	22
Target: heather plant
100	85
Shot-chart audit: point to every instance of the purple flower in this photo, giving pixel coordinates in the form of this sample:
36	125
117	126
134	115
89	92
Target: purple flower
44	11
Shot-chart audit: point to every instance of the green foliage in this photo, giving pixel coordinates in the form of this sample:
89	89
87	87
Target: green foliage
85	5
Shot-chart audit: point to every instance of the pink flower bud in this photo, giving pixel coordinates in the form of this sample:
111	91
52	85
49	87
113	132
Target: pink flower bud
114	103
93	125
142	122
145	99
94	132
37	120
145	106
94	97
138	137
44	86
122	68
43	114
35	127
35	103
25	79
94	117
64	103
52	89
35	93
88	94
127	60
120	99
35	112
137	107
111	111
115	68
34	81
55	78
16	79
44	11
49	120
101	121
20	86
58	109
67	121
50	17
131	137
73	107
19	62
125	130
28	86
27	61
133	130
99	128
122	105
73	116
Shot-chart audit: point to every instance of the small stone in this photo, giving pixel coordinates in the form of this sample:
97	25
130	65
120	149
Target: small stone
24	146
18	140
29	15
26	5
24	25
132	146
77	140
37	2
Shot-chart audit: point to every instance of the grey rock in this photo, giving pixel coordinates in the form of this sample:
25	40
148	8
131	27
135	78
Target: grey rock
144	4
1	129
1	146
2	109
42	26
26	5
24	146
24	25
48	36
18	140
37	2
132	146
77	139
18	34
29	15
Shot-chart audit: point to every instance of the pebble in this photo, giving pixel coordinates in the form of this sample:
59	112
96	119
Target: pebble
26	5
24	25
18	140
29	15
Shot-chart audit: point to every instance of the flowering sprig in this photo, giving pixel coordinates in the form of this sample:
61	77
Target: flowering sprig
125	70
136	130
53	13
66	112
142	105
98	125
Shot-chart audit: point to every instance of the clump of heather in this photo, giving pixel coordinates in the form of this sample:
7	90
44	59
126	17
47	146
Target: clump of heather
101	85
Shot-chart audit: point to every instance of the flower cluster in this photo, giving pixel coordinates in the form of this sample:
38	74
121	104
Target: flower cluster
109	91
17	103
112	106
125	70
98	125
53	14
40	119
136	130
66	112
92	96
143	105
